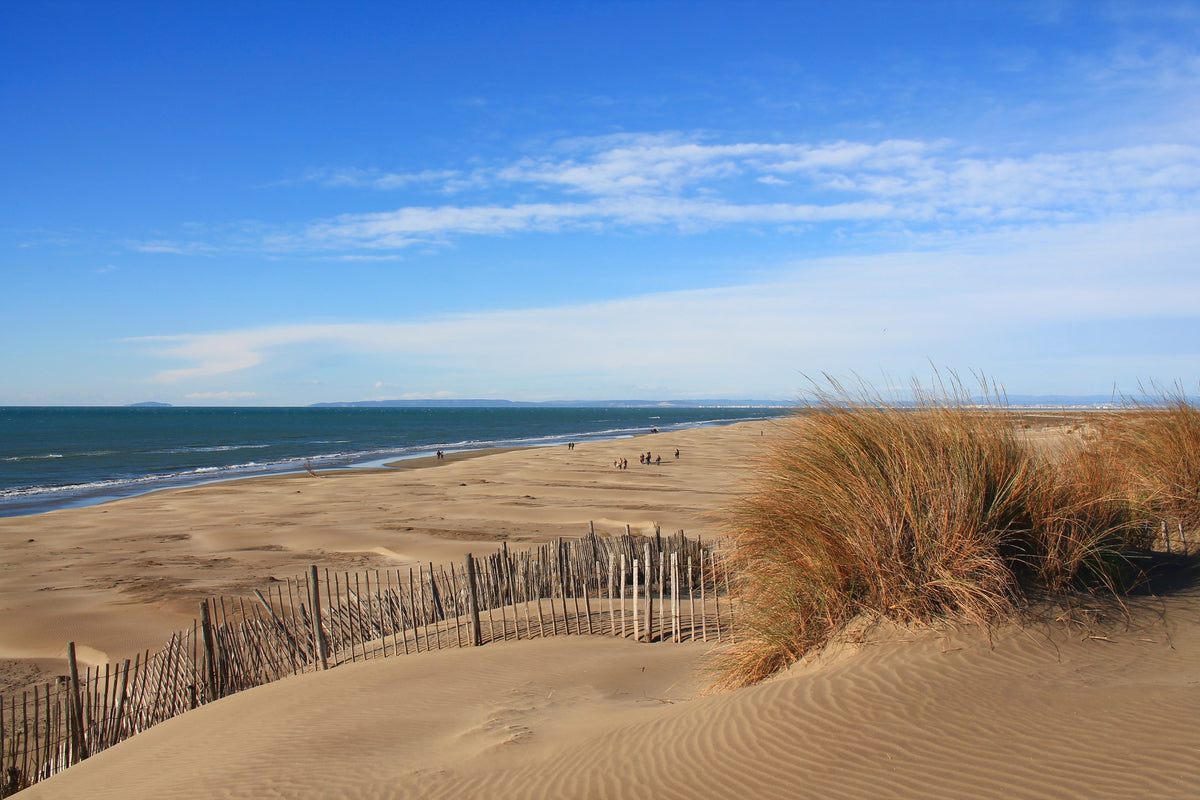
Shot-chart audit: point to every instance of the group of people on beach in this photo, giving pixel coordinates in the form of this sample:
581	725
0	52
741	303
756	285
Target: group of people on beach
643	459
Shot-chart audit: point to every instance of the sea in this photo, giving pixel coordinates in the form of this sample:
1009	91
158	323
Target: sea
52	458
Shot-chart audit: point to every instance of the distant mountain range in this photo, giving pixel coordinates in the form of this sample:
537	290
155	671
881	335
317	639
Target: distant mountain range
443	403
1015	400
1060	400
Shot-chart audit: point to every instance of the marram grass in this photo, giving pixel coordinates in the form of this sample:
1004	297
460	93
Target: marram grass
940	509
1160	447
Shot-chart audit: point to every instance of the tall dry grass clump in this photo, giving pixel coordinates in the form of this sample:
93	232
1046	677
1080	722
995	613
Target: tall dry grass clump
1081	524
939	509
1160	446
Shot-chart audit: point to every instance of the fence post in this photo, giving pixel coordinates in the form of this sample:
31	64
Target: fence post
80	745
315	605
649	570
675	637
636	634
119	709
473	603
210	654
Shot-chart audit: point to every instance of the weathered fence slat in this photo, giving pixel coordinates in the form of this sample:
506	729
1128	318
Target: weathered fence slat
295	629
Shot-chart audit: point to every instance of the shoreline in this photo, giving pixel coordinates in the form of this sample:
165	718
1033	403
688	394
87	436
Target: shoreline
451	457
72	496
121	576
412	462
38	499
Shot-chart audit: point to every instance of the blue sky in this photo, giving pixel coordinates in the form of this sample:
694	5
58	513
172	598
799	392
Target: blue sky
285	203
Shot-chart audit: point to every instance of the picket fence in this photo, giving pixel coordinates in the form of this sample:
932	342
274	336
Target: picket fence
645	588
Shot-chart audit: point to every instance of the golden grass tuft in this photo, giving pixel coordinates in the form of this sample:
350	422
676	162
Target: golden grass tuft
1160	446
910	513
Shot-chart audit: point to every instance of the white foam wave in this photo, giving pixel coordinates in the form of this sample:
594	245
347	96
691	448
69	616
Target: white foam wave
221	448
32	458
149	482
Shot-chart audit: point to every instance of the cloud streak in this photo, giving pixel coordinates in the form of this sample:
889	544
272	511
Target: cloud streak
664	181
407	226
645	183
893	312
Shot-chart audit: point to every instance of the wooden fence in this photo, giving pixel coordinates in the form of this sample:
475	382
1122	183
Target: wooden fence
645	588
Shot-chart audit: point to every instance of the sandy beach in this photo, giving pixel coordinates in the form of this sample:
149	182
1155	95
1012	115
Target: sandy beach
120	577
1103	707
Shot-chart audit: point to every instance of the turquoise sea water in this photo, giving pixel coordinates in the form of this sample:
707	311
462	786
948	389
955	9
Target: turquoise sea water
58	457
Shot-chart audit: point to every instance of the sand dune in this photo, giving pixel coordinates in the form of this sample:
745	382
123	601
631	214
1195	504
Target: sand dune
1108	711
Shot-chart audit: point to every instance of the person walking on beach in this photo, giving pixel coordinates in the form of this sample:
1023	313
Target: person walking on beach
658	460
676	453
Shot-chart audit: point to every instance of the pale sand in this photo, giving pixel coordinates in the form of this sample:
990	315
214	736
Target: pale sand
1038	713
120	577
1107	711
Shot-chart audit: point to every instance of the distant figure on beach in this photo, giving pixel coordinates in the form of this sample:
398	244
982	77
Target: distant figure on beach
624	463
658	460
570	445
641	459
677	452
440	455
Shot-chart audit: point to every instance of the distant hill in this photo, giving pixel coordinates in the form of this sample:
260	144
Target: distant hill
1012	400
443	403
1015	400
1061	400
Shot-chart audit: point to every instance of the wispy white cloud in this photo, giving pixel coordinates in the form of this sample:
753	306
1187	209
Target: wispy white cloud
367	257
43	237
964	308
397	229
628	164
409	225
211	354
681	183
220	397
376	179
171	246
666	180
